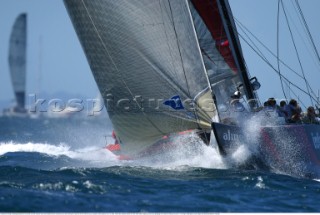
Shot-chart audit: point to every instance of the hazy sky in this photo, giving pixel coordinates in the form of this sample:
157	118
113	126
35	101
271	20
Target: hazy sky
260	16
54	47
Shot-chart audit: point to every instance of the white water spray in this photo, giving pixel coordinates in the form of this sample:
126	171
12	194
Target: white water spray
85	154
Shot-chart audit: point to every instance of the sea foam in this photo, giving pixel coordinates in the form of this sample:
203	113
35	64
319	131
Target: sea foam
86	154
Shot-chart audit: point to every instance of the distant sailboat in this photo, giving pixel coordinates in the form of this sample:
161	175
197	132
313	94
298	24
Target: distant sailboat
17	61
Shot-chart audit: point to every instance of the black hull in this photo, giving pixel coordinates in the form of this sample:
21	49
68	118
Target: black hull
291	149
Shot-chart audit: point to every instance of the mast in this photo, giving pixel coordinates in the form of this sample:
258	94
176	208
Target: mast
227	18
39	66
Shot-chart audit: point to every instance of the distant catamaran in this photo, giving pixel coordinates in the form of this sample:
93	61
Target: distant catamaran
17	61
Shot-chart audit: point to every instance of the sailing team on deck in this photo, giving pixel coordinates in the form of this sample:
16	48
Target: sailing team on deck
284	113
292	112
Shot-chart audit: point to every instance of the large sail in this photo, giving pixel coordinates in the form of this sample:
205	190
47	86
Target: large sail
17	60
159	63
145	57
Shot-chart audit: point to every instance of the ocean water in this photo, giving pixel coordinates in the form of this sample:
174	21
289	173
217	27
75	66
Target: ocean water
70	171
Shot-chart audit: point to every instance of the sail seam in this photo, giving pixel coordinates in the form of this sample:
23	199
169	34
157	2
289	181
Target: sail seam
105	48
178	45
165	31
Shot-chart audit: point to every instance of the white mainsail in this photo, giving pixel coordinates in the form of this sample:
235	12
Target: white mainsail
149	61
17	60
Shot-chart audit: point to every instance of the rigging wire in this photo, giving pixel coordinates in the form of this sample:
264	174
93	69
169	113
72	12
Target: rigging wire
274	69
260	54
278	51
315	57
255	48
296	96
241	26
303	39
245	29
308	30
295	47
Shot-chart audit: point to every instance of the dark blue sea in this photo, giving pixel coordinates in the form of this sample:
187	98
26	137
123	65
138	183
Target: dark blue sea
60	165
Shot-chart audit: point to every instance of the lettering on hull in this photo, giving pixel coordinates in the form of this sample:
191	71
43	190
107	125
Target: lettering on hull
230	136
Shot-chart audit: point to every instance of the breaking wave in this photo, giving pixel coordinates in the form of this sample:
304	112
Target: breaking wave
193	153
88	153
